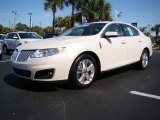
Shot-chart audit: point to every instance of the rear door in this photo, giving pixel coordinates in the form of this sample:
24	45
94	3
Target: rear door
134	43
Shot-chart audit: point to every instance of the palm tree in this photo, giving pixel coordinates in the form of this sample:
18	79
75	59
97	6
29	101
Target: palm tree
59	23
144	30
156	28
67	22
94	10
104	10
53	4
73	3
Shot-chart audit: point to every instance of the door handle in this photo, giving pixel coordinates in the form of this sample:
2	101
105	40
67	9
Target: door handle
123	42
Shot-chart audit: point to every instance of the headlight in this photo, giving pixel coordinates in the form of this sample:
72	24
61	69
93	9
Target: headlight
47	52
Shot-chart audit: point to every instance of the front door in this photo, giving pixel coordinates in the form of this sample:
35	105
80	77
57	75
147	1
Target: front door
114	48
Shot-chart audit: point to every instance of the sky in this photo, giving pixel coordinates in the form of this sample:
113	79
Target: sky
144	12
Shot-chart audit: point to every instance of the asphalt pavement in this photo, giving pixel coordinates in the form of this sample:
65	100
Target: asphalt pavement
121	94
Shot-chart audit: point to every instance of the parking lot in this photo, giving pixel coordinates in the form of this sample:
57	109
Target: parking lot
121	94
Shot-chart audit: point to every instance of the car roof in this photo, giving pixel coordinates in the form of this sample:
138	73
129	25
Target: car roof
110	22
21	32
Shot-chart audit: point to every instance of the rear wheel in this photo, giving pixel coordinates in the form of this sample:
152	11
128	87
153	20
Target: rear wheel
83	71
143	63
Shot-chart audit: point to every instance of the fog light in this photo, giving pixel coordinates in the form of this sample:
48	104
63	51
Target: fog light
44	74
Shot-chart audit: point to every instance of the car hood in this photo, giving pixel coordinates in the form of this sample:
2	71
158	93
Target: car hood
52	42
29	40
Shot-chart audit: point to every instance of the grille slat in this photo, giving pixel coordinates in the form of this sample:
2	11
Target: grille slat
24	55
24	73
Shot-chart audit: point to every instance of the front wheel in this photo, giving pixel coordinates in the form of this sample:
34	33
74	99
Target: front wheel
143	63
83	71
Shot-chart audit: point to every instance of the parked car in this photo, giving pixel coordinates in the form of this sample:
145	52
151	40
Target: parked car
1	51
14	39
2	36
81	53
50	36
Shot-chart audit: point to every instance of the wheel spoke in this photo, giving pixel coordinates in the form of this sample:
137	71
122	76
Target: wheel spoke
90	68
145	60
82	79
79	70
83	64
89	77
85	71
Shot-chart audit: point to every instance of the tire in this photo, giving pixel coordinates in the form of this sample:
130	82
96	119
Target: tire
5	50
83	71
1	56
143	63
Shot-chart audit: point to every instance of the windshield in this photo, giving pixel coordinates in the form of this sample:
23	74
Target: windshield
91	29
29	35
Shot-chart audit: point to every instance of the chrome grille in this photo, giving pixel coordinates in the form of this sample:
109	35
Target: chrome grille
14	55
24	55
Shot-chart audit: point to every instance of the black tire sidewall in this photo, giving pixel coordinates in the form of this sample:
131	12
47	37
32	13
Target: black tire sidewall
1	56
73	75
140	63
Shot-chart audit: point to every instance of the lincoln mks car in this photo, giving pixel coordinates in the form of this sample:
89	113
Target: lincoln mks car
81	53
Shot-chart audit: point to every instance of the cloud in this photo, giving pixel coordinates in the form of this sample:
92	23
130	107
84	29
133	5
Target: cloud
48	15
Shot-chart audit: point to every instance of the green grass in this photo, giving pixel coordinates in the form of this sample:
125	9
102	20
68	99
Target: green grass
156	46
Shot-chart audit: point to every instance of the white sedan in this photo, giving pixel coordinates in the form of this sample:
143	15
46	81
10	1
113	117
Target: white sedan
81	53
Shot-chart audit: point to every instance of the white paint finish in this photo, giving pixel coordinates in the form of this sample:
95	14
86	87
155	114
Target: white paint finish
112	54
145	95
5	61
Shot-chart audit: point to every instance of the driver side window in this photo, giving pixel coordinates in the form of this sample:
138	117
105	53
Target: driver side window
115	28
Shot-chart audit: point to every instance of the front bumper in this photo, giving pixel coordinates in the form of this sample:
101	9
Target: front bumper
51	68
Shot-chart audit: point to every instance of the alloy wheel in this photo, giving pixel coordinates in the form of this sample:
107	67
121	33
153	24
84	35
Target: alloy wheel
85	71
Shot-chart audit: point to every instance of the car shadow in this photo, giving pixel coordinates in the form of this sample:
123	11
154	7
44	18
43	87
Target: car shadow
34	86
110	73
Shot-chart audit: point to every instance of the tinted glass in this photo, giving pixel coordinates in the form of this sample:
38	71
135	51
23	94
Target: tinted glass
129	31
114	28
135	32
29	35
15	35
10	36
91	29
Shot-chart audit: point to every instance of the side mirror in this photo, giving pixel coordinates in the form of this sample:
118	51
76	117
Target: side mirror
15	37
111	34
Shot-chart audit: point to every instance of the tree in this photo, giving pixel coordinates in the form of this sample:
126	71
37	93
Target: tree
1	28
73	3
6	30
156	28
53	4
59	23
94	10
48	30
67	23
22	27
38	30
144	30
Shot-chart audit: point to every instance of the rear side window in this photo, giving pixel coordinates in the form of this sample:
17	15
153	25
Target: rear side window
129	31
135	32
